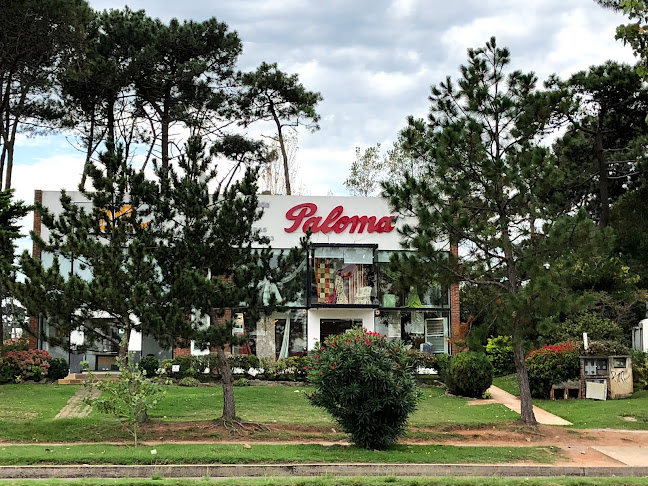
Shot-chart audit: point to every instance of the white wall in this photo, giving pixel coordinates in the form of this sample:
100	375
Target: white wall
314	316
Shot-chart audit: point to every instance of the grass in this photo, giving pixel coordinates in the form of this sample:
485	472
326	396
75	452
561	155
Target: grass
592	414
267	454
338	481
507	383
28	412
31	411
288	405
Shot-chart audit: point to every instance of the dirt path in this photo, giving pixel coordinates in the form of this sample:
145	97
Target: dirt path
75	407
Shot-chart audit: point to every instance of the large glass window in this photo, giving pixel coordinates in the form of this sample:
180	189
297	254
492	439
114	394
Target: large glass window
392	292
343	276
423	330
290	334
294	278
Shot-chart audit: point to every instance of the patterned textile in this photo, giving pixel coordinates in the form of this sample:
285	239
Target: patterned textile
325	283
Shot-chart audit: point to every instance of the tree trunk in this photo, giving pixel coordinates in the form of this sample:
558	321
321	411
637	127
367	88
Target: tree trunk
282	146
229	407
603	182
86	166
165	121
123	344
527	417
10	156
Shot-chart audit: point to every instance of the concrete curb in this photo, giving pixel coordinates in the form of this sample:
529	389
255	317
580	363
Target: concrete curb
351	469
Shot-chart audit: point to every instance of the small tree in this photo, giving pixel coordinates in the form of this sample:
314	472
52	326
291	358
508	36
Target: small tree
129	398
364	381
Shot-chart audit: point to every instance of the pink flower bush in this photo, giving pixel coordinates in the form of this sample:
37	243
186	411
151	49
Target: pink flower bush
31	365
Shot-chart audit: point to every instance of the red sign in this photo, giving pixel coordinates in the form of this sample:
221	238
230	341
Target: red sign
303	215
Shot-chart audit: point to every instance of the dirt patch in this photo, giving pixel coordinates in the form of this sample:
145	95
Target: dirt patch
541	435
507	434
216	431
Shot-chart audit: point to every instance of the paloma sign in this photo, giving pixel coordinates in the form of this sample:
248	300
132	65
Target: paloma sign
331	220
305	216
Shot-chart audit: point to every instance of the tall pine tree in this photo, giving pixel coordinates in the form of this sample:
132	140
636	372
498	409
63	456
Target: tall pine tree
480	187
212	258
103	275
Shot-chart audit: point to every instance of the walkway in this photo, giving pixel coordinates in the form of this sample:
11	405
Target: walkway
75	407
513	402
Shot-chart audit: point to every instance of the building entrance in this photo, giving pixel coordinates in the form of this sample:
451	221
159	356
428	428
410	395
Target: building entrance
330	327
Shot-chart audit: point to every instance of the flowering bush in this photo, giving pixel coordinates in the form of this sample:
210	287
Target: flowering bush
551	365
365	383
30	365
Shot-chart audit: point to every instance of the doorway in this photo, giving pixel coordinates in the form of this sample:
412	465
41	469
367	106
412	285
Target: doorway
331	327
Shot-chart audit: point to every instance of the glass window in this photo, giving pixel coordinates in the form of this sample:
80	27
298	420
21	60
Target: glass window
294	278
290	334
422	330
343	276
619	362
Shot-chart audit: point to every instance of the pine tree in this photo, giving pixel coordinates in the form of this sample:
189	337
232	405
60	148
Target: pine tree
10	213
479	187
102	265
211	256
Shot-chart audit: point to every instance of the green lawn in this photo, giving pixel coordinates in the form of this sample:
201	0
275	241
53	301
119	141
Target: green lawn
31	411
267	454
338	481
592	414
288	405
28	413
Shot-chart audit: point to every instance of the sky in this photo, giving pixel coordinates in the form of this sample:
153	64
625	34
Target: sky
373	61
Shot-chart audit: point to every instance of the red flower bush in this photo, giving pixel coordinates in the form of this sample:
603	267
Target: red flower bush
366	384
551	365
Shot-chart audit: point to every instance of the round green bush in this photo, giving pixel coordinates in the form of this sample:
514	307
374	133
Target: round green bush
58	369
551	365
150	364
470	374
363	381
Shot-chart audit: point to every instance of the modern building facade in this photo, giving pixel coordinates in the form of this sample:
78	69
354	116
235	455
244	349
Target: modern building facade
345	281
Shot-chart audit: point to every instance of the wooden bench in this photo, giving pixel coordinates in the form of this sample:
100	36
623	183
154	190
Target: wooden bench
567	390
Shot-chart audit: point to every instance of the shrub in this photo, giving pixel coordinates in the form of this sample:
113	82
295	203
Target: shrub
640	370
243	361
363	381
294	368
605	348
190	365
470	374
188	381
597	329
9	345
419	359
31	365
150	364
58	369
500	351
8	371
551	365
241	382
443	367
